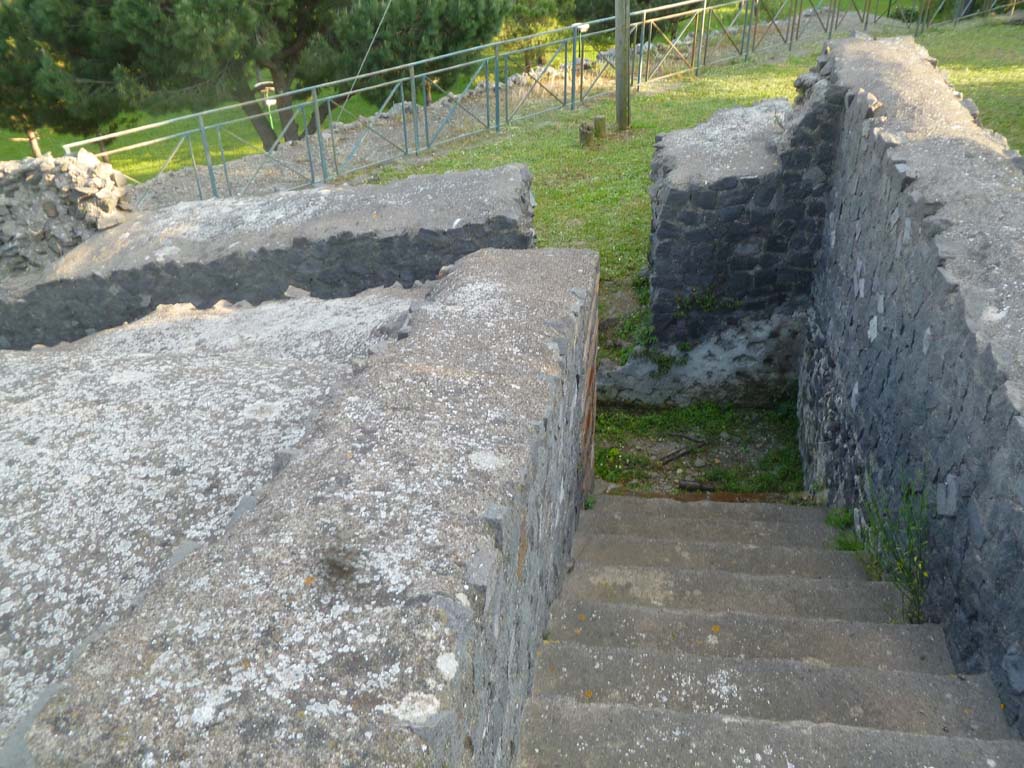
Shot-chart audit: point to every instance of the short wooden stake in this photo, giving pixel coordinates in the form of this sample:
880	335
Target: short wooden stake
600	126
586	135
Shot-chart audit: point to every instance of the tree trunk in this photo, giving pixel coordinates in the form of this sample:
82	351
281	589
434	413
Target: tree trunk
33	140
289	121
260	124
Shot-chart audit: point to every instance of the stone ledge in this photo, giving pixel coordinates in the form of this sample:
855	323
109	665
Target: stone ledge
380	601
331	241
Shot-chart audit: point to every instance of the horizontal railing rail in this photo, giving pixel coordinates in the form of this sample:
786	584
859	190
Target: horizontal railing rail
332	129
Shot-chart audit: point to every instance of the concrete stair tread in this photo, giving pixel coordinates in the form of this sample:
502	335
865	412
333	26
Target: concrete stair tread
910	647
708	527
707	509
720	591
773	689
769	560
561	732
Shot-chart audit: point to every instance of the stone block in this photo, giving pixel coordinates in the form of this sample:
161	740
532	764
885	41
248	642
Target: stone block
331	241
295	563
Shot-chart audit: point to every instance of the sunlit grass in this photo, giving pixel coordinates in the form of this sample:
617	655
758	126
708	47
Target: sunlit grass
985	60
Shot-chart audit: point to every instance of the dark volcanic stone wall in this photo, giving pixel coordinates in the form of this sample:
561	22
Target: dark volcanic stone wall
731	238
884	222
913	366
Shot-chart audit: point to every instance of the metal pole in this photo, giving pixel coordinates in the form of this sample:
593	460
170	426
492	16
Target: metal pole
640	51
209	159
415	112
319	135
575	45
622	64
497	91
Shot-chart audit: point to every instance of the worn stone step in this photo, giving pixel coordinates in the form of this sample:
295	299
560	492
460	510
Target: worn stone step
810	562
718	591
773	689
562	732
764	512
828	642
707	524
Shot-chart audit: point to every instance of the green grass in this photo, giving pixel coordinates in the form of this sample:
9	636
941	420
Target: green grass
896	544
778	470
597	197
985	60
618	466
237	140
846	537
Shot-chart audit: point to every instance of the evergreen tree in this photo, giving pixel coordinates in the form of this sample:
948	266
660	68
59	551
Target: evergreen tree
91	59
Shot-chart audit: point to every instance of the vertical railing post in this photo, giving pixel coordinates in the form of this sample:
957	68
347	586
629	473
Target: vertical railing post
487	90
224	162
497	90
415	112
702	51
640	50
565	71
309	149
319	135
505	82
209	157
405	122
426	109
575	41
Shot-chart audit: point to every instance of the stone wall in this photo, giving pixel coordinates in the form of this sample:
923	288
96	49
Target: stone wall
49	205
361	570
868	242
329	242
914	368
738	205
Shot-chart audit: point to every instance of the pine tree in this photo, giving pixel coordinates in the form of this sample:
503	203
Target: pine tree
92	59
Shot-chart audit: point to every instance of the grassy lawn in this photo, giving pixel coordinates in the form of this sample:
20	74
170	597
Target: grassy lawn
985	60
597	197
710	446
237	139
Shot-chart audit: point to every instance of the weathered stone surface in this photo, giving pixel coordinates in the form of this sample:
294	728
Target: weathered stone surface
49	205
330	241
379	600
752	361
126	451
914	370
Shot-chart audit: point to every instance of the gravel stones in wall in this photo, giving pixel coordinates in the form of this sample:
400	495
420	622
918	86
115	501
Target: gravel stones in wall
914	368
380	600
329	241
49	205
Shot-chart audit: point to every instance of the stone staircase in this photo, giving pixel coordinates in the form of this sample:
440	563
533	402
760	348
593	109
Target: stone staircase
715	634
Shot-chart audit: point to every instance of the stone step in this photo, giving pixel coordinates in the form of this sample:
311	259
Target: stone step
708	525
719	591
827	642
751	511
810	562
773	689
562	732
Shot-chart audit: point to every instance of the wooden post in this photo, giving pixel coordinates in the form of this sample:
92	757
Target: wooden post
33	140
600	126
586	135
622	64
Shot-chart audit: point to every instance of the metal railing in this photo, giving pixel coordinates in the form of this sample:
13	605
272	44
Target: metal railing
333	129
